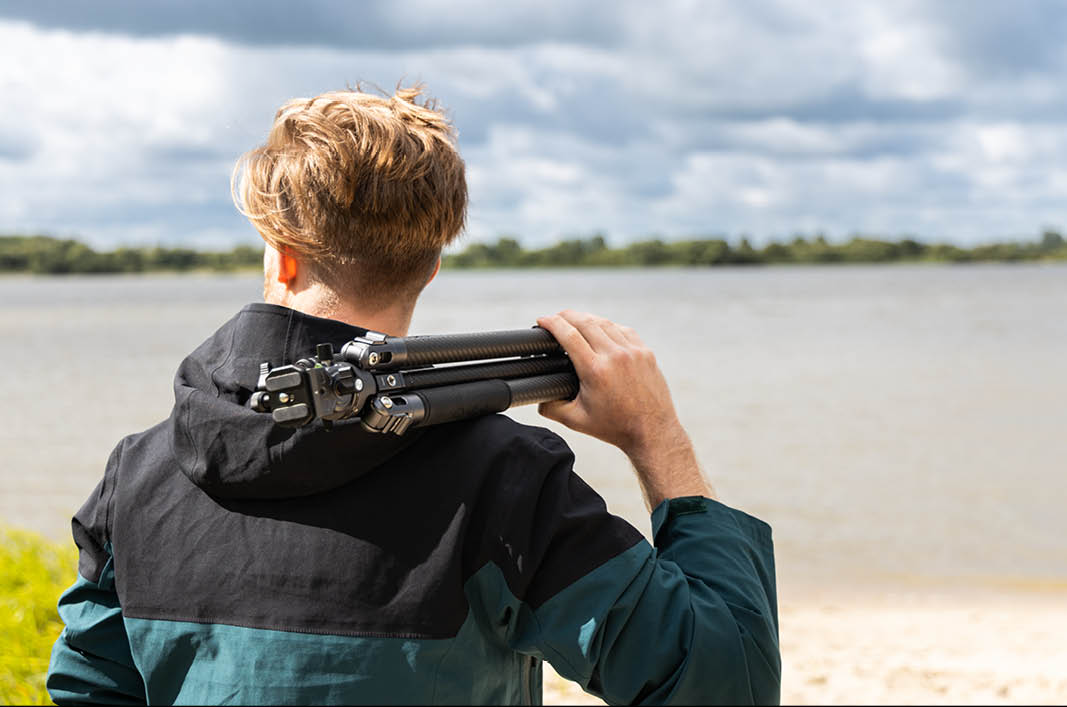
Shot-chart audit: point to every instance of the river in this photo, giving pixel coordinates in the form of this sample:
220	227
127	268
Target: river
900	427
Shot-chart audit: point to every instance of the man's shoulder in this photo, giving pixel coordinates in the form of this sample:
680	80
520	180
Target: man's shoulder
493	436
492	457
152	443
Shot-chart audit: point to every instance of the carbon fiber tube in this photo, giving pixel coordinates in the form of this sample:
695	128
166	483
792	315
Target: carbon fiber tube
540	389
413	351
521	368
462	401
466	400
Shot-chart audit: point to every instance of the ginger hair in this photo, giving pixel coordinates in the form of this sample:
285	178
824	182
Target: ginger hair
365	189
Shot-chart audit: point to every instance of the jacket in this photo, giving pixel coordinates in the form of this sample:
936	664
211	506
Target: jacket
224	559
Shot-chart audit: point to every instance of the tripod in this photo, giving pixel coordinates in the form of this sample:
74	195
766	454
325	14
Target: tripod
395	383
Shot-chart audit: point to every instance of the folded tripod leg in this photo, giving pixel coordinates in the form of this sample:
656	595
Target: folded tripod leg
376	352
431	406
394	383
399	381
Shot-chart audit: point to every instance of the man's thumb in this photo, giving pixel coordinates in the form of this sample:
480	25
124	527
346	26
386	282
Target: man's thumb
556	410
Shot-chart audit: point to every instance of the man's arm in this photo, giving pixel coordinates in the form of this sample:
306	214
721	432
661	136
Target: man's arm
692	620
624	401
91	659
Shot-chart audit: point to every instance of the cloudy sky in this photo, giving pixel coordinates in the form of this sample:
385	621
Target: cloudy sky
122	119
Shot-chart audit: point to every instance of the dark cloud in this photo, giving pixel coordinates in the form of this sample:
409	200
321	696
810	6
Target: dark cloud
837	141
17	148
179	155
1010	39
612	117
848	102
176	210
175	219
379	25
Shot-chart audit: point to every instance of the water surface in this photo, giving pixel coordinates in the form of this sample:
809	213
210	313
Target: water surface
899	426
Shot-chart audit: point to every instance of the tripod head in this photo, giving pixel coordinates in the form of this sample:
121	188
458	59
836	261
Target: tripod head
394	383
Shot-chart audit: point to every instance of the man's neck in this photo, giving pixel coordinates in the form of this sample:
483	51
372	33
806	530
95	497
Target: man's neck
321	302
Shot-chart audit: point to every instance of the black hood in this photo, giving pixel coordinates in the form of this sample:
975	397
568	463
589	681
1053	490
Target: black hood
232	452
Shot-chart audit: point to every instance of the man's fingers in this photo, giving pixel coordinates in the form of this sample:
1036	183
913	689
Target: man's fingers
568	337
592	328
615	332
566	412
631	336
551	410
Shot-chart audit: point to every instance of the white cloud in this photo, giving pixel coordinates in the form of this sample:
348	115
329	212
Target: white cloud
901	56
1003	142
679	118
104	113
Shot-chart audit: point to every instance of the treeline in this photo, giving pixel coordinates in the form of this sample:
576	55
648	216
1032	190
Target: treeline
53	256
595	252
46	255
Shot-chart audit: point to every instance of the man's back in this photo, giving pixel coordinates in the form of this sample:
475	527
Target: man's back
253	564
227	559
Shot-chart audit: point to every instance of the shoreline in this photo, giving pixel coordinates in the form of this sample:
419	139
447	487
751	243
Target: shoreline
583	267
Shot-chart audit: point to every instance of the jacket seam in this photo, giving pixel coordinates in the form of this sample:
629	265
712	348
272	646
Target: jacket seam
556	653
229	355
111	495
186	427
440	664
215	621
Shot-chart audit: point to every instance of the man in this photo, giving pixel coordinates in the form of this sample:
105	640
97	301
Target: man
224	559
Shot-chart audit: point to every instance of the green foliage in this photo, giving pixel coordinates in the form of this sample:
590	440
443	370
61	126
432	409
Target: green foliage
43	255
565	253
594	252
33	573
1051	241
801	250
714	251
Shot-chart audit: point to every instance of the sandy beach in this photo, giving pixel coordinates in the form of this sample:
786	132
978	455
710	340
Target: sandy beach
1003	649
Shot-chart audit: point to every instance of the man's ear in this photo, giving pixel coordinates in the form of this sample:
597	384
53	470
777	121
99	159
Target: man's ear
288	267
436	269
280	265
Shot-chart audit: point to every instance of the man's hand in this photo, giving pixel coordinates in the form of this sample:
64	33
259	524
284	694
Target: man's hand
624	401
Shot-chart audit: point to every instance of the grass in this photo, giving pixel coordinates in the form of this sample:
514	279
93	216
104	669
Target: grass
33	573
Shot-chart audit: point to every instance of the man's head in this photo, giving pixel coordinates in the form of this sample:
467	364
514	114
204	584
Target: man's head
362	190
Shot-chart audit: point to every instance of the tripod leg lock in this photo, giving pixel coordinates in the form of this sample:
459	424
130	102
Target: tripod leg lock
394	414
432	406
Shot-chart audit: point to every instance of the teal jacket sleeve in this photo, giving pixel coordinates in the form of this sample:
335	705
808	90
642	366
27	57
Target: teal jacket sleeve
91	660
689	619
693	620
